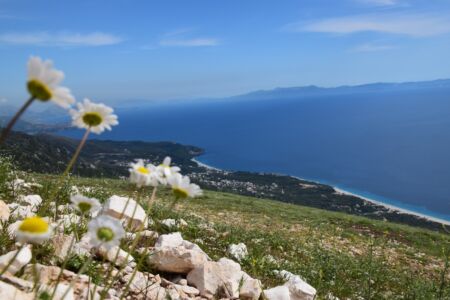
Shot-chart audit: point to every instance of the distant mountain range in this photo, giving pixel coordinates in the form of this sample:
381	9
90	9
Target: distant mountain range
39	114
312	90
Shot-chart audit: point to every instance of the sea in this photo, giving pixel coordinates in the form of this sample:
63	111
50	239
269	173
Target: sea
389	146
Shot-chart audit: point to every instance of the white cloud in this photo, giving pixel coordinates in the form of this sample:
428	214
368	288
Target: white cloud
194	42
59	39
183	37
415	25
370	47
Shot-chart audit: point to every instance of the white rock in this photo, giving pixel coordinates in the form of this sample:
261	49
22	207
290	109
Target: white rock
12	228
63	291
33	200
127	210
68	221
299	289
22	212
4	211
182	223
169	223
62	243
169	240
277	293
250	288
8	291
116	255
21	260
224	275
173	254
238	251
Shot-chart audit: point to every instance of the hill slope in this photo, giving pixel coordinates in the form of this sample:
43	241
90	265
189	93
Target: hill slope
339	254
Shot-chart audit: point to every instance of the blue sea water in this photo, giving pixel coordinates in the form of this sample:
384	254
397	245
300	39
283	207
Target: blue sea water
390	146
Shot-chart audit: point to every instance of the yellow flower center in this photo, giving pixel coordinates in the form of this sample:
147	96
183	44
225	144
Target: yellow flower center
34	225
143	170
84	207
92	119
39	90
180	193
105	234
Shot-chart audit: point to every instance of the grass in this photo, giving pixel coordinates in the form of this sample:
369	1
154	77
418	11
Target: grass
339	254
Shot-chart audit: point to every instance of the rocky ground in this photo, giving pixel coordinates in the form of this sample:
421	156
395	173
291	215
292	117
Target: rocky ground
180	268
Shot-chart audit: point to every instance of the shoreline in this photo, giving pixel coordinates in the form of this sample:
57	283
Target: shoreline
342	191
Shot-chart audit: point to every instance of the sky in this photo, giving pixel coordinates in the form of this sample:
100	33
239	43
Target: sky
118	50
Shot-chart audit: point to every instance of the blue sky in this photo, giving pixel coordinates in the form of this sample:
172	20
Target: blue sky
142	49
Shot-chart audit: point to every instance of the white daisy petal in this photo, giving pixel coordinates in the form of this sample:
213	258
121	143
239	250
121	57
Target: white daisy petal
94	116
182	188
105	231
44	80
34	230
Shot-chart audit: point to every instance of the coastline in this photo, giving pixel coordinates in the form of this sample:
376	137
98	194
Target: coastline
344	192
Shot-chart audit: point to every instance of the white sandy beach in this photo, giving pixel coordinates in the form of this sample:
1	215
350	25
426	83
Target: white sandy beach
341	191
392	207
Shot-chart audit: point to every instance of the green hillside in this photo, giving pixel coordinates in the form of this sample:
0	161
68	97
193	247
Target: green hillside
342	255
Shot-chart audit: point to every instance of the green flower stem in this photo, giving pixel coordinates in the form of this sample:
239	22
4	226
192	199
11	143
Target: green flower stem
63	266
69	167
111	266
13	121
127	287
72	283
132	248
12	260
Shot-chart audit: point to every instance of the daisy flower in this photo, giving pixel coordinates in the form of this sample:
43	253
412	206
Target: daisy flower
182	188
84	204
43	83
94	116
33	230
142	175
105	231
166	171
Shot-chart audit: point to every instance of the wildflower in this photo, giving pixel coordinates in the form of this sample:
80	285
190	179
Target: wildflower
142	175
182	188
105	231
84	204
43	83
166	171
94	116
33	230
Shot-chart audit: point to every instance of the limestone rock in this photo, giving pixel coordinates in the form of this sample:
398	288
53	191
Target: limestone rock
12	228
8	291
238	251
116	255
277	293
250	288
62	243
127	210
169	223
21	260
20	211
48	275
173	254
33	200
213	277
4	211
63	291
68	221
299	289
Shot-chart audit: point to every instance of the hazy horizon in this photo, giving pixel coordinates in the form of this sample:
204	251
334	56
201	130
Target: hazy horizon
111	50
